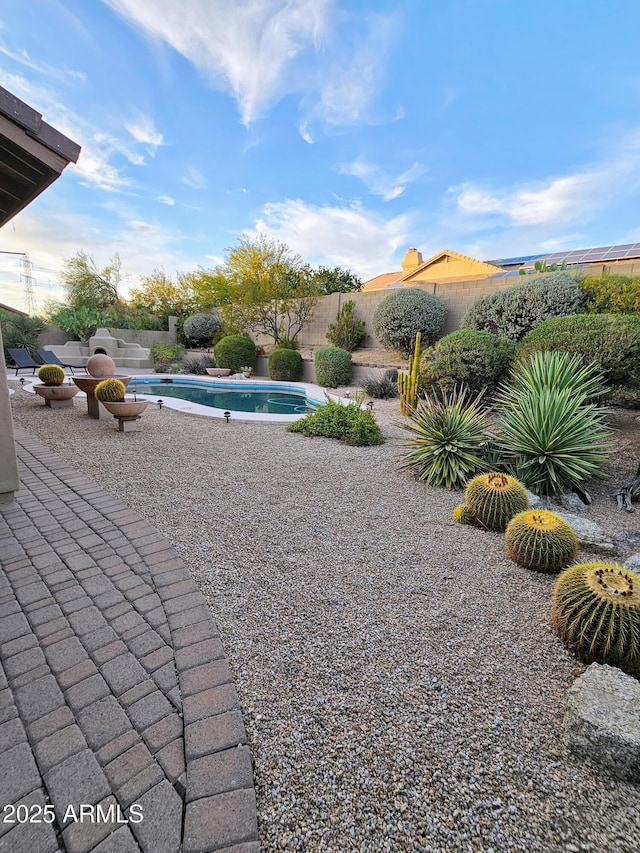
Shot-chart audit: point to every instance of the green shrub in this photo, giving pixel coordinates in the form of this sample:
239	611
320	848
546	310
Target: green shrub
551	433
348	331
234	352
610	341
448	433
612	294
20	332
332	366
514	312
478	359
348	423
197	364
404	313
199	329
285	365
166	352
624	398
382	387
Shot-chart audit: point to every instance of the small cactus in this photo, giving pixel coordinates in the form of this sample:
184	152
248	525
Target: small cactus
110	391
596	612
494	499
51	374
409	382
463	515
541	540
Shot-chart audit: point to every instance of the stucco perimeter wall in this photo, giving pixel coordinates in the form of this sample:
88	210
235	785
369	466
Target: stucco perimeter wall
458	296
55	336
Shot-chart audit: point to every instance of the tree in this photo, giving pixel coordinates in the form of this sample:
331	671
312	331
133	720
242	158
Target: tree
163	297
264	287
336	280
88	287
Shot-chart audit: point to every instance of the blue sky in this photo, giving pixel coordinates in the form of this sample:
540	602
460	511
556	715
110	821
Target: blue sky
349	129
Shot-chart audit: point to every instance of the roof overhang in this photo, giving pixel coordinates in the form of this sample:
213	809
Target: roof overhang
32	155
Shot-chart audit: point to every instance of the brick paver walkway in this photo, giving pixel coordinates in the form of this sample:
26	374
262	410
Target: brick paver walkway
119	722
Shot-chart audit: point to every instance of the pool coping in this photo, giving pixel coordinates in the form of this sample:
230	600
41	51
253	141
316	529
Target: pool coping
313	393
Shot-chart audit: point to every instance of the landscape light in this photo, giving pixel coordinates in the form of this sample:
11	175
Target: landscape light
160	402
370	405
226	416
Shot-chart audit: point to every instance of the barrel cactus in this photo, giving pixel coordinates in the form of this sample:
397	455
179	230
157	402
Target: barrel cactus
463	515
51	374
596	612
110	391
541	540
494	499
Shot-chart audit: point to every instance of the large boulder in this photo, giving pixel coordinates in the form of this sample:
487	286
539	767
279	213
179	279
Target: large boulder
602	723
590	535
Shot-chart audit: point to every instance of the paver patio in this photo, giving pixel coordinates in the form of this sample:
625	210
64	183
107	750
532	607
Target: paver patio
114	686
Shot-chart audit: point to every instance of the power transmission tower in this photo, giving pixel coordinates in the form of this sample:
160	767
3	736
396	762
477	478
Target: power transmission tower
29	282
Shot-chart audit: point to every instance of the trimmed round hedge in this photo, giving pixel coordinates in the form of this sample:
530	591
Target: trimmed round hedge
199	329
518	309
234	352
610	341
404	313
285	365
479	359
332	366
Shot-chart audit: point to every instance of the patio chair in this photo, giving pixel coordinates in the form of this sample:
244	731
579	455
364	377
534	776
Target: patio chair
23	360
49	357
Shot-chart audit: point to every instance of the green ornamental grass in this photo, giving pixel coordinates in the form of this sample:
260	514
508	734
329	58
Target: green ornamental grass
448	434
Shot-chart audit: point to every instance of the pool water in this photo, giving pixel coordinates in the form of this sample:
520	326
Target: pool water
270	401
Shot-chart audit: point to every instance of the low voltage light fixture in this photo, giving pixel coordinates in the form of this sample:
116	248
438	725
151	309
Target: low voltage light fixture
370	405
160	403
22	380
226	416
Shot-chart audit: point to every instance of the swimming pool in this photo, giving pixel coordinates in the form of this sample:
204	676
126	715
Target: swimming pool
248	399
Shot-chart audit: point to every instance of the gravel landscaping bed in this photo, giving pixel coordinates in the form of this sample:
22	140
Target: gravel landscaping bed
401	684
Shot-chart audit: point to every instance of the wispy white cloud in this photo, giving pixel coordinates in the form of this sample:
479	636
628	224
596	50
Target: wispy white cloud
101	144
344	236
22	57
195	179
305	133
262	50
144	132
561	199
377	182
166	199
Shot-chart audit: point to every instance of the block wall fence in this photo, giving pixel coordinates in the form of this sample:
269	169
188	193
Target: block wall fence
458	296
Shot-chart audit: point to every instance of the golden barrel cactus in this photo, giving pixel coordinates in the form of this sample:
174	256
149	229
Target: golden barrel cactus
110	391
495	498
596	612
463	515
541	540
51	374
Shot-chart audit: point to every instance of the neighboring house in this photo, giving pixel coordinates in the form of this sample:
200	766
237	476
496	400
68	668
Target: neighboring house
449	267
32	155
445	266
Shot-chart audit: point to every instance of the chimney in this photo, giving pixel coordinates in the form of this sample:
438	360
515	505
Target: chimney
412	261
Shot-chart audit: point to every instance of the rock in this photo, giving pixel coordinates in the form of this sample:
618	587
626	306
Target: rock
572	503
627	541
536	502
633	563
590	535
602	723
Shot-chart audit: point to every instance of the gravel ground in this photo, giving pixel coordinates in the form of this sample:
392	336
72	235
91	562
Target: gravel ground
401	684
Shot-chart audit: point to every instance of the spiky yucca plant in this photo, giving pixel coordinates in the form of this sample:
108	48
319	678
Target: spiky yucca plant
541	540
557	370
110	391
463	515
494	499
448	433
51	374
596	612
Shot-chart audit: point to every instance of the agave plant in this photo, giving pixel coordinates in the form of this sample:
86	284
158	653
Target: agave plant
448	433
556	440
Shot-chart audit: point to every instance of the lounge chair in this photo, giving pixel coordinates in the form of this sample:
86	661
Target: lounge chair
23	360
49	357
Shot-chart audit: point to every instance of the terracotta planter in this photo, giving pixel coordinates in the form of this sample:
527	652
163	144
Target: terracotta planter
127	412
88	385
57	396
218	371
